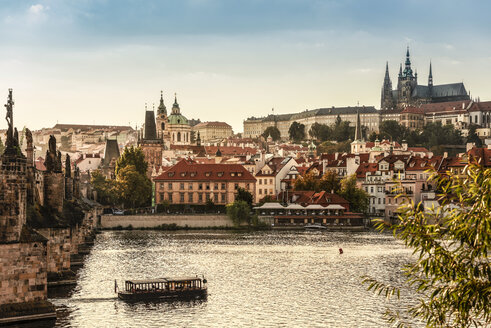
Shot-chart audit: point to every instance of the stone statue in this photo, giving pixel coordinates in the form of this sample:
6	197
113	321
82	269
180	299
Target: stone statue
53	158
16	137
29	138
10	143
52	144
58	167
68	167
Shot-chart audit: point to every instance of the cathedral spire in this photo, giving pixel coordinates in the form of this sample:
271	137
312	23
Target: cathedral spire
358	135
400	70
430	77
408	72
162	109
387	77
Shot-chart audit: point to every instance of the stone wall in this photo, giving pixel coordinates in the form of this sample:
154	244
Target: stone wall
13	197
59	246
152	221
23	275
54	190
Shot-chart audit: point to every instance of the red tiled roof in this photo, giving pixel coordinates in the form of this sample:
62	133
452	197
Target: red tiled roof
417	149
230	150
480	106
413	110
363	168
186	170
312	197
449	106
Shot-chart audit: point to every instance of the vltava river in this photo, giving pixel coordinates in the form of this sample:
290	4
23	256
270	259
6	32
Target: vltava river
260	279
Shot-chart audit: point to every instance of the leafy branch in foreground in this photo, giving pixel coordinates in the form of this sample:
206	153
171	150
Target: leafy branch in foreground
451	273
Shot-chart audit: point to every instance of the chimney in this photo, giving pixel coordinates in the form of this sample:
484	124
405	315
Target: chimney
336	155
445	154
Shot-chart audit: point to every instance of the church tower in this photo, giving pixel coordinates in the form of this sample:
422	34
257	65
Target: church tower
407	82
387	99
162	118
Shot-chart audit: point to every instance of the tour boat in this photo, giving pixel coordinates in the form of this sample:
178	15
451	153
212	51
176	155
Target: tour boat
163	289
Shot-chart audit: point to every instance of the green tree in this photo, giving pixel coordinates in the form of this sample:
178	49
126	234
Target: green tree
267	199
472	137
134	188
330	182
357	197
239	212
107	193
244	195
273	132
309	181
334	147
434	135
320	132
451	272
132	156
342	131
392	130
296	132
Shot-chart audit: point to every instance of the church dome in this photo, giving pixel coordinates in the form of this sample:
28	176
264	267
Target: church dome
177	119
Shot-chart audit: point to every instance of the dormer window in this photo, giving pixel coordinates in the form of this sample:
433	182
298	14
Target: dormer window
232	174
207	174
193	174
220	174
171	174
239	174
183	174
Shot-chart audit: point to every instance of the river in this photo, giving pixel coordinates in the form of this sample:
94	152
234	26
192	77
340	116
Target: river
259	279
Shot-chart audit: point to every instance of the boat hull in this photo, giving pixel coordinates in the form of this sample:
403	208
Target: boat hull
164	295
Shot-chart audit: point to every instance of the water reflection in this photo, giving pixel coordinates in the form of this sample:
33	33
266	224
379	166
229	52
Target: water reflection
260	279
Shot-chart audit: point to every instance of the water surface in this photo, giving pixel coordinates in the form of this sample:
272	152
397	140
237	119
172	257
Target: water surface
261	279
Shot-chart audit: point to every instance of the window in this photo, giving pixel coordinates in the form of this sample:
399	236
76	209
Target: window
260	181
183	174
207	186
223	198
239	174
169	196
236	186
216	186
161	196
190	186
200	198
182	185
190	197
170	174
223	186
390	201
220	174
247	186
207	196
215	197
181	197
207	174
371	190
170	186
270	181
200	186
260	191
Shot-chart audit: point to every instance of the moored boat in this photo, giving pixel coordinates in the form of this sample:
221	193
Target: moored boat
314	226
163	289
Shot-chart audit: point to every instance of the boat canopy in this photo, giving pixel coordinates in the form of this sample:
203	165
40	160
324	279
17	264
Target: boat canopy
295	207
270	206
335	207
315	207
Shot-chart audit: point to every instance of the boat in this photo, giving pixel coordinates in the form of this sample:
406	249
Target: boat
163	289
314	226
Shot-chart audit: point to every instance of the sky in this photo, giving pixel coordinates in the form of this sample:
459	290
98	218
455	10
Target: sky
100	62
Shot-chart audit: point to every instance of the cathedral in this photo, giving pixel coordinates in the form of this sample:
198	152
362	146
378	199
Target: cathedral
410	93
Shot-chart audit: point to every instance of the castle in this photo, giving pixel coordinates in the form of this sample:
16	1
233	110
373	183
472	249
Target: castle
410	93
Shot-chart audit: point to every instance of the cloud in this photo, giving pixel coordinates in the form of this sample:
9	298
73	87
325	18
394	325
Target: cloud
36	9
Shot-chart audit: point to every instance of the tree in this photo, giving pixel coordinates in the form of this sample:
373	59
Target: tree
273	132
296	132
309	181
134	188
357	197
342	131
320	132
392	130
334	147
244	195
330	182
107	193
472	137
239	212
434	135
132	156
451	272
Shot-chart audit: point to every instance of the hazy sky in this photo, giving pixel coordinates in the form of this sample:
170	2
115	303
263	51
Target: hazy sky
83	61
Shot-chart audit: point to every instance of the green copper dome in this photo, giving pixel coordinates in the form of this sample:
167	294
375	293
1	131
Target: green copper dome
177	119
